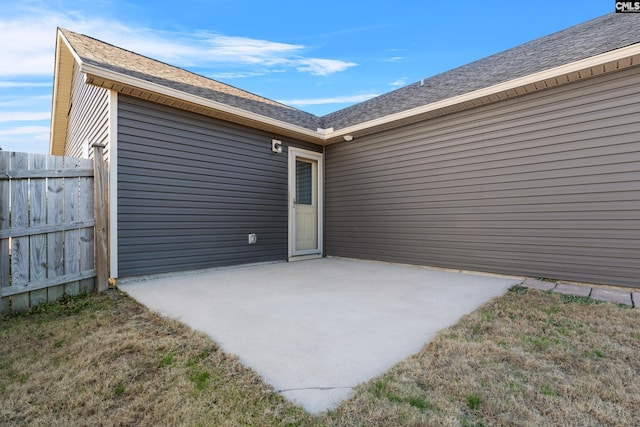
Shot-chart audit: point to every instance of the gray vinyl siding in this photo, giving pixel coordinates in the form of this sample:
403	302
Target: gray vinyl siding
545	185
191	189
88	117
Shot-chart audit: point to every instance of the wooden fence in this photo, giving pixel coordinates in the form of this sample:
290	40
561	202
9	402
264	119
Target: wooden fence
53	234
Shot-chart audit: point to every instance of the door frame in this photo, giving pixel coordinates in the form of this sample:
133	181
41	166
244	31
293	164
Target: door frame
295	153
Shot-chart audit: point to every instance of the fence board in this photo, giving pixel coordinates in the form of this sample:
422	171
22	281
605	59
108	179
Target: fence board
71	173
85	211
55	239
44	229
37	216
52	281
20	245
47	229
4	223
71	237
101	209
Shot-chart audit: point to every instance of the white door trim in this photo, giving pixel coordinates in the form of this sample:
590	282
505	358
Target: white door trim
295	153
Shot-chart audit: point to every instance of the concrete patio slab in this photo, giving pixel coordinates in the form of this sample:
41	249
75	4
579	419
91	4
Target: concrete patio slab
315	329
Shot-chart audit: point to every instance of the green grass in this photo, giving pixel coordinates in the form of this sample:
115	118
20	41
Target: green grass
119	390
474	401
547	390
167	360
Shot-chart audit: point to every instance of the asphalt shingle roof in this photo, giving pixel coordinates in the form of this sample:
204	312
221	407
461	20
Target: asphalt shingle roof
600	35
113	58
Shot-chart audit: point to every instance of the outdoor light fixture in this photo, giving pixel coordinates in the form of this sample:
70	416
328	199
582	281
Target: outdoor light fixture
348	138
276	146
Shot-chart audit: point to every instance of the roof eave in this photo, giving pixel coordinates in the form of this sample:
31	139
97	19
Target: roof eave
122	83
587	68
597	65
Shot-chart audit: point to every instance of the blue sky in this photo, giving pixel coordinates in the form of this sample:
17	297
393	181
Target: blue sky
316	56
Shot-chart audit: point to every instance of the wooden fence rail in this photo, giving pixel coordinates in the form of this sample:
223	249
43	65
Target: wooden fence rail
48	228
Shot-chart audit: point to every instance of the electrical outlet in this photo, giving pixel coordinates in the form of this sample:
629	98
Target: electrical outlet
253	239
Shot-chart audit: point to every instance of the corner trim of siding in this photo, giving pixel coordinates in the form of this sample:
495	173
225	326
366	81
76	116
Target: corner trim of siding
113	184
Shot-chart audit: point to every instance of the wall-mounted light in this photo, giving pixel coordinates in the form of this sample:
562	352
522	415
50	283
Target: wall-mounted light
276	146
348	138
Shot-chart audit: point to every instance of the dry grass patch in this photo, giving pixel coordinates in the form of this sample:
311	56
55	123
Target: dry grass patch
528	358
105	360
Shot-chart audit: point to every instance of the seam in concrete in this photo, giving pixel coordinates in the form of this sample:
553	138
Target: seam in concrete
430	267
148	277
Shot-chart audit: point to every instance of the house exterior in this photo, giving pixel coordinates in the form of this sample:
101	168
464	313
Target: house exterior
526	162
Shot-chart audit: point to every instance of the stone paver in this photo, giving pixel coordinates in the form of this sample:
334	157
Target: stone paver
609	295
541	285
632	299
569	289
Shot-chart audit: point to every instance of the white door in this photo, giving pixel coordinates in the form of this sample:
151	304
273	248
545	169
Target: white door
305	202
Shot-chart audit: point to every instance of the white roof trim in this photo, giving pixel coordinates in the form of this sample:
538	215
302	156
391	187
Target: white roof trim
66	42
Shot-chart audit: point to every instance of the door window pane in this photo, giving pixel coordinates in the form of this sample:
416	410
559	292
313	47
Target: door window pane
304	183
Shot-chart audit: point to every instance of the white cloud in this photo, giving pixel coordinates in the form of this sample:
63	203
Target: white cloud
26	130
41	101
28	139
400	82
8	84
13	116
207	48
244	49
235	75
322	67
394	59
26	143
332	100
28	47
34	53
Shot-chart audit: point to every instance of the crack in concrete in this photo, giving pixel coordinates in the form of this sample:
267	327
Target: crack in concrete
314	388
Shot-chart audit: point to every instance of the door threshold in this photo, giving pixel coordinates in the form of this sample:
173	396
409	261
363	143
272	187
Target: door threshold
304	257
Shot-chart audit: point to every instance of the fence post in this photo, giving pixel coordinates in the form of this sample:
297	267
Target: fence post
4	224
101	212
